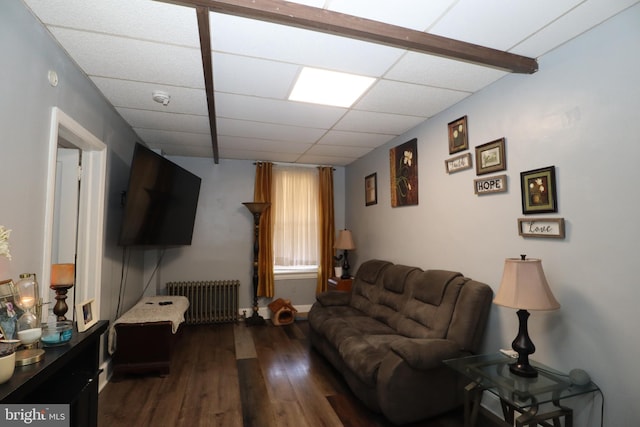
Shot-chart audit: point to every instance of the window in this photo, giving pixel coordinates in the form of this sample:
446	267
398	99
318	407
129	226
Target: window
295	210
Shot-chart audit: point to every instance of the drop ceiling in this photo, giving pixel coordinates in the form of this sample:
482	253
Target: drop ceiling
131	48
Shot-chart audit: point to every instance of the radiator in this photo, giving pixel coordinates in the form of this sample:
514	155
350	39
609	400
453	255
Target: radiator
213	301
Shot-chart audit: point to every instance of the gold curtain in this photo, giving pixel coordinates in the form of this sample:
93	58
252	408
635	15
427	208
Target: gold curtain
262	193
326	232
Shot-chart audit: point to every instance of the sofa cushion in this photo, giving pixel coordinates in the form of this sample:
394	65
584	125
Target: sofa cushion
370	270
422	318
363	354
320	315
425	353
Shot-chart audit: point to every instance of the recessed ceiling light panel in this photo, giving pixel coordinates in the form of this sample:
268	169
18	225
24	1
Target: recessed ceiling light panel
329	87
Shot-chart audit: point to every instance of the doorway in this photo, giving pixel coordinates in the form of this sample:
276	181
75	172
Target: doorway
69	142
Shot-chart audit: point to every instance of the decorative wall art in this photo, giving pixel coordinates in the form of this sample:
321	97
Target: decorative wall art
490	157
403	161
489	185
371	189
458	163
541	227
458	140
538	188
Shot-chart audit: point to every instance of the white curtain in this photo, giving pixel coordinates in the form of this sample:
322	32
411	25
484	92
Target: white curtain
295	210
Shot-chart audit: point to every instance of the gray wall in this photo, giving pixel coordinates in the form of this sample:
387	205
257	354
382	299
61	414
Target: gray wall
26	100
222	246
579	113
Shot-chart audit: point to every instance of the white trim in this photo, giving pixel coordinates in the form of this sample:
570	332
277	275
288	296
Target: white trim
91	207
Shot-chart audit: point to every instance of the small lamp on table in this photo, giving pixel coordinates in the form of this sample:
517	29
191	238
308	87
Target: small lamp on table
344	242
524	287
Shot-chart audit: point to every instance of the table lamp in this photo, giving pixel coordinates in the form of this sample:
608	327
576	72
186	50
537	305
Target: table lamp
62	279
524	287
344	242
28	326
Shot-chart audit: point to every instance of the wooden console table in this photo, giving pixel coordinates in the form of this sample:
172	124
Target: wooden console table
339	284
67	375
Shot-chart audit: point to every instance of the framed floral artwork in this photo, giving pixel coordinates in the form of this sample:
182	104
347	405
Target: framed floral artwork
490	157
371	189
538	190
403	161
458	135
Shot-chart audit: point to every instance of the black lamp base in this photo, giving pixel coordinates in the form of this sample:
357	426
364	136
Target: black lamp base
255	320
524	347
523	370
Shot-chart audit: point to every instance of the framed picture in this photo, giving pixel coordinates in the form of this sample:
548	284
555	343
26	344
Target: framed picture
9	310
458	135
371	189
541	227
458	163
538	188
490	157
489	185
403	161
85	314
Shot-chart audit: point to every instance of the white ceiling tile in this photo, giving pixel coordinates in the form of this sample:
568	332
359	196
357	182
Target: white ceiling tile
165	121
406	98
581	19
123	93
237	143
154	138
141	19
414	14
251	76
499	24
265	156
384	123
276	111
338	150
174	149
130	48
356	139
232	34
312	159
268	131
129	59
442	72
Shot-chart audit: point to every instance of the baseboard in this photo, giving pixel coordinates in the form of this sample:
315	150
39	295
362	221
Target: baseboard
105	374
266	313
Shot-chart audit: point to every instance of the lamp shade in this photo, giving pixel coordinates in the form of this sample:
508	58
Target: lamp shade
344	241
257	207
524	286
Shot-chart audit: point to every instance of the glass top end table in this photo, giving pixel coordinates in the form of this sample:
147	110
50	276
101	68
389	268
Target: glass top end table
491	372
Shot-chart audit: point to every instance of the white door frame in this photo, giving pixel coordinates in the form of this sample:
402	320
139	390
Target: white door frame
90	209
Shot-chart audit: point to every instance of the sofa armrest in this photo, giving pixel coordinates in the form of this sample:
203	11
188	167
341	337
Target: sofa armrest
334	298
424	353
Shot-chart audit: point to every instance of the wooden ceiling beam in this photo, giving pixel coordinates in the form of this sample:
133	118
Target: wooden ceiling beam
205	50
313	18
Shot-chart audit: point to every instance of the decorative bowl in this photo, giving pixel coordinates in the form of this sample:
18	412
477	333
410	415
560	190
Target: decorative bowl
7	362
56	333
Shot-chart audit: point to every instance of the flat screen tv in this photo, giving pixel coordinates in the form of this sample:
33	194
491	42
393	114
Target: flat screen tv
160	202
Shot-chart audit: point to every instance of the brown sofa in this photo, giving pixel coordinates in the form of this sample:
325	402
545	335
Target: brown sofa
389	336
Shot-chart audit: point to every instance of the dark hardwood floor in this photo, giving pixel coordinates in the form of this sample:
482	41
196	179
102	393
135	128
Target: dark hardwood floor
231	375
